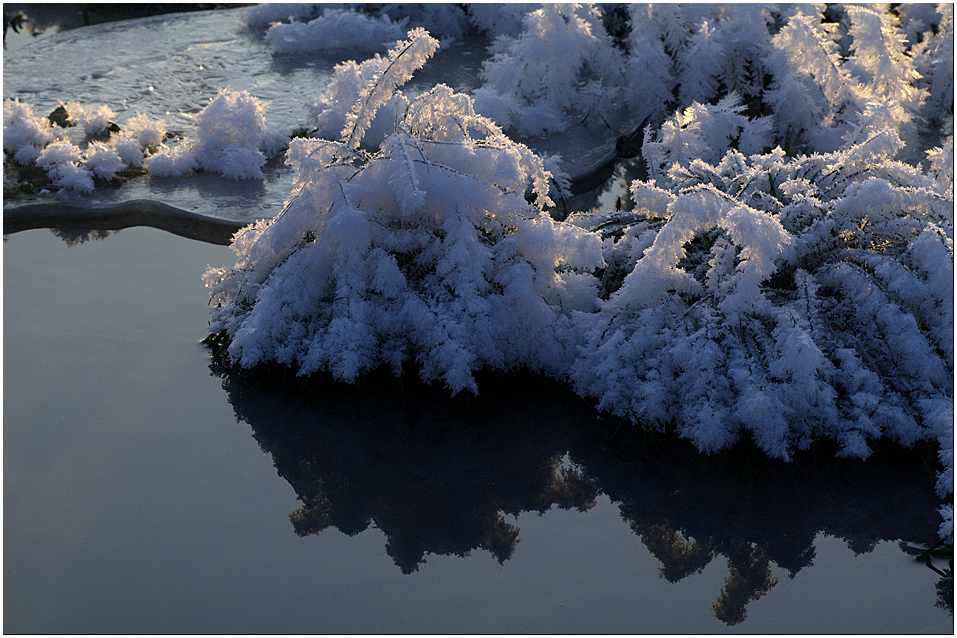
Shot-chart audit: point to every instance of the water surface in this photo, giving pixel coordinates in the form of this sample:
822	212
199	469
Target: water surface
145	491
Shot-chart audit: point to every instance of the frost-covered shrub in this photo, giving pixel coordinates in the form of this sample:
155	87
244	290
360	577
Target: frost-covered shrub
787	298
942	166
232	139
425	251
499	19
562	67
827	83
268	13
934	61
829	76
445	20
349	79
824	97
879	60
648	68
783	295
701	51
705	132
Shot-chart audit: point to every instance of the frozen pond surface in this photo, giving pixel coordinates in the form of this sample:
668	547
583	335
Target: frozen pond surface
136	501
170	66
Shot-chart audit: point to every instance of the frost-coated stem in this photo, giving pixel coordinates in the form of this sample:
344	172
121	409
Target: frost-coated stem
413	54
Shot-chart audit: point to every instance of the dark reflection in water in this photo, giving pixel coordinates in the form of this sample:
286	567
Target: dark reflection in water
945	588
439	476
75	236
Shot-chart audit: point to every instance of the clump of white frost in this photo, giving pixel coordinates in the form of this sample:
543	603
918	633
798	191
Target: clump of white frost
561	68
171	161
25	133
233	139
62	161
141	136
103	161
334	29
423	252
94	119
147	132
128	149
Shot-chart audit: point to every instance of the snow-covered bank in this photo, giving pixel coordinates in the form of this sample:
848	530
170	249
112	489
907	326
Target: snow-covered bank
785	273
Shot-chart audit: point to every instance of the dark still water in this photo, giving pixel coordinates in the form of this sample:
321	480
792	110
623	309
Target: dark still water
145	491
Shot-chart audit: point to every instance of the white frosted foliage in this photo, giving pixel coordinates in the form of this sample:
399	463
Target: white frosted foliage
781	298
425	252
561	67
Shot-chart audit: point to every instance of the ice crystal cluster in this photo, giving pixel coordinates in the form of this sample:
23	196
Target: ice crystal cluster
232	139
784	272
